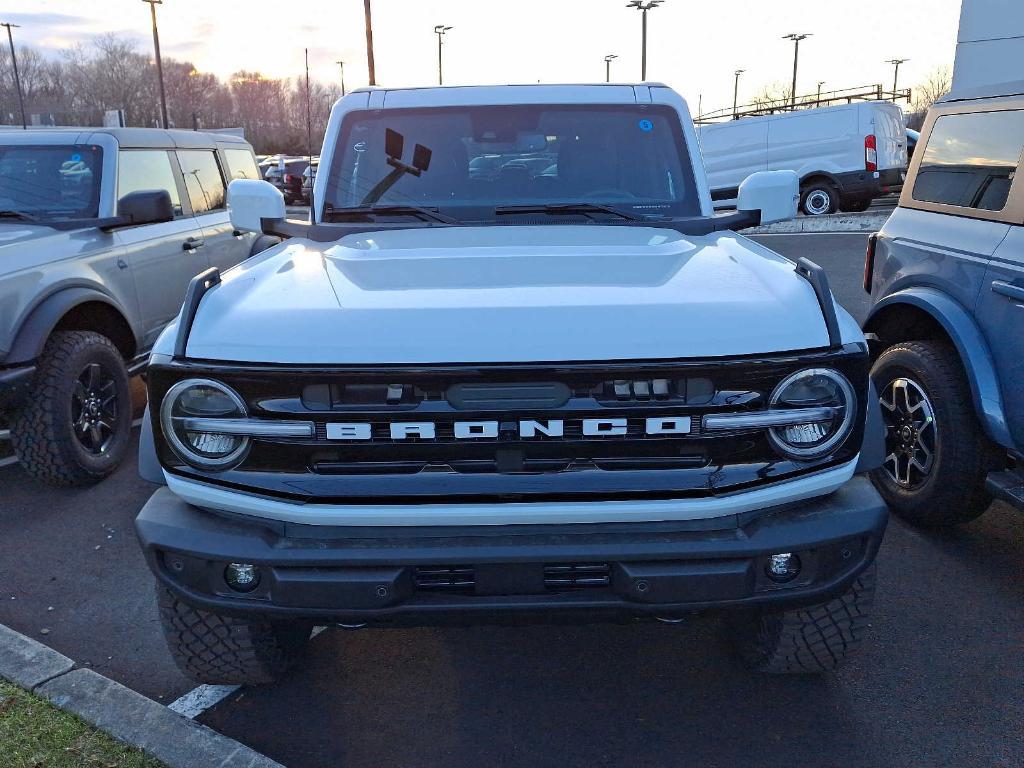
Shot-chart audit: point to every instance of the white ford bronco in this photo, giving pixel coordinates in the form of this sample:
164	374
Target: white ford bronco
513	368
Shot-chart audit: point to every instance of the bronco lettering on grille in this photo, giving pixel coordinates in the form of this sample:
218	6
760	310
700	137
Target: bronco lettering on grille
550	428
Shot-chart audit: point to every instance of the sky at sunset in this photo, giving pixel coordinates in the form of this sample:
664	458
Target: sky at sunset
694	45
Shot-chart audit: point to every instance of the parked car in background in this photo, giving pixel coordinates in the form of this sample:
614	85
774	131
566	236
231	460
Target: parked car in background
845	155
912	138
289	178
570	396
308	179
101	231
946	277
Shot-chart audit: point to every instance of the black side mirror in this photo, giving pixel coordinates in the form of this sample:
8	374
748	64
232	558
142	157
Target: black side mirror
145	207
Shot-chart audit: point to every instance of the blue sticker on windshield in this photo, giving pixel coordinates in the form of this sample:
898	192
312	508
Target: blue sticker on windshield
76	158
646	125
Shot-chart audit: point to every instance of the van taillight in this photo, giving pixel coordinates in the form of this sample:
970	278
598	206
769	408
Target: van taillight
870	154
869	262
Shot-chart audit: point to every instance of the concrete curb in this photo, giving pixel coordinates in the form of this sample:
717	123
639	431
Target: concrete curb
833	222
127	716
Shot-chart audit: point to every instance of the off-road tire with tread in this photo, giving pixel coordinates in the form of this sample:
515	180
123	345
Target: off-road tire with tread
42	433
806	640
955	491
217	649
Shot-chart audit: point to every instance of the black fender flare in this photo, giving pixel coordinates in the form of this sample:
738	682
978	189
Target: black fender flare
44	317
817	174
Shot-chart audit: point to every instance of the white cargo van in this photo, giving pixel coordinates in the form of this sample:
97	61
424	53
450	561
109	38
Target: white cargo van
845	155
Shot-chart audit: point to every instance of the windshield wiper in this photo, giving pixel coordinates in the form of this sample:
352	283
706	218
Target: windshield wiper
364	211
564	209
17	215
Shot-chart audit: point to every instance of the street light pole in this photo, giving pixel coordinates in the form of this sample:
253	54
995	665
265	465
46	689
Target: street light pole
796	38
896	74
17	77
820	83
369	43
342	65
608	67
643	7
159	64
440	31
736	90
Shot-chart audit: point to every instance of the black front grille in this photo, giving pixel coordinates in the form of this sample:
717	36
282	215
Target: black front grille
507	465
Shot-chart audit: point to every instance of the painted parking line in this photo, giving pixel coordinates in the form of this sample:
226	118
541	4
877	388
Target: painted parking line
203	697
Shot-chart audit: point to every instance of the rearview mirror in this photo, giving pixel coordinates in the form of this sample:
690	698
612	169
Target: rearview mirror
774	193
250	201
148	206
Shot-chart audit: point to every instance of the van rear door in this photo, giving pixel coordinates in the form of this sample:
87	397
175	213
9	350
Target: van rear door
885	121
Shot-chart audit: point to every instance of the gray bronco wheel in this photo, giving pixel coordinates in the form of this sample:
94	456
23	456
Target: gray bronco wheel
216	649
76	426
806	640
937	455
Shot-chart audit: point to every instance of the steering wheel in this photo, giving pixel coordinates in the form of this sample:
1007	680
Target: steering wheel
610	194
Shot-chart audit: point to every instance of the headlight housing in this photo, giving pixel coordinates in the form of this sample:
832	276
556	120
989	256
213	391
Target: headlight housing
814	388
202	399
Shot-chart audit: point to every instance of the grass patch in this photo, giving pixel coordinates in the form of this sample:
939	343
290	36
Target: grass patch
35	734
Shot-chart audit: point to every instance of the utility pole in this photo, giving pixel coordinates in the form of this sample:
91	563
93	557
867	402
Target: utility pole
342	65
440	31
17	77
643	7
736	90
309	115
896	75
159	64
608	67
818	100
369	42
796	38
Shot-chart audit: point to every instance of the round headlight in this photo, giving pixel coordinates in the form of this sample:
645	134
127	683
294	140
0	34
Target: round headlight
814	388
194	401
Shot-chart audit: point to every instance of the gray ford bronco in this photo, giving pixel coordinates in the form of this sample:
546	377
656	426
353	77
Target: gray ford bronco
100	232
515	367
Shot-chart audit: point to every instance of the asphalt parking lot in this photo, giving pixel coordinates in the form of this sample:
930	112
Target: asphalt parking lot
940	682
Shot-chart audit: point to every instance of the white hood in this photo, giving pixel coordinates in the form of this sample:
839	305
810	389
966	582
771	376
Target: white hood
508	294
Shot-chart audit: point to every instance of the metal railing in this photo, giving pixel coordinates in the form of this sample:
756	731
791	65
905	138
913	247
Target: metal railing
811	101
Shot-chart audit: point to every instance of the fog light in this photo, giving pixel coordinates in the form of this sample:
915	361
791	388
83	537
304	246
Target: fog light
782	567
242	577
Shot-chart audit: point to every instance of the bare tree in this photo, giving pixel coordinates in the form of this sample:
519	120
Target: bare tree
934	87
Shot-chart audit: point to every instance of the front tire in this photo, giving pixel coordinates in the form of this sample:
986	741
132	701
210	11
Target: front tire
937	454
225	650
76	425
806	640
819	198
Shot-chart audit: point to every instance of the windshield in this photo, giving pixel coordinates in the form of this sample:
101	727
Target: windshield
50	181
630	157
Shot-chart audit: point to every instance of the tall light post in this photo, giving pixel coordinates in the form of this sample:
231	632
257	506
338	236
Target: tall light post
796	37
440	31
369	43
643	7
736	90
159	64
820	83
896	74
342	65
17	77
608	67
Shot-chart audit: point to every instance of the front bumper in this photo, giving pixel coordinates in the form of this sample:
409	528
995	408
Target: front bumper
414	576
14	385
